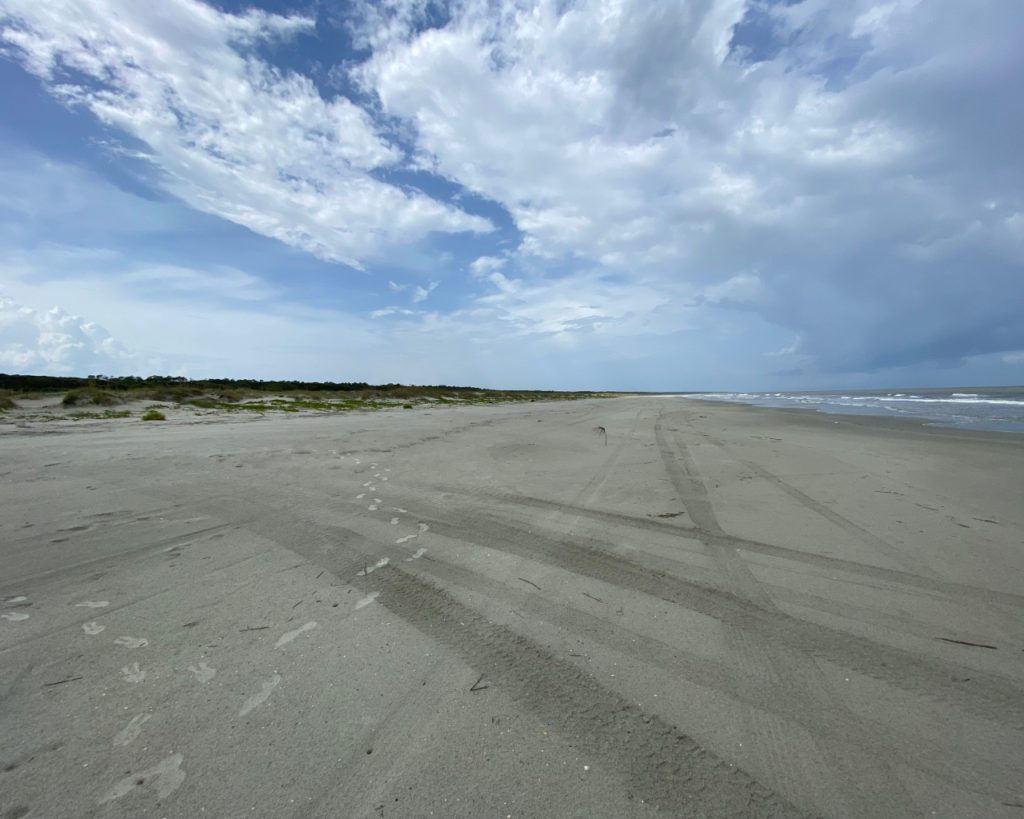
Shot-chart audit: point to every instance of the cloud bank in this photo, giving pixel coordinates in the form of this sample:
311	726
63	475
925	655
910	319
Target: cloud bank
842	180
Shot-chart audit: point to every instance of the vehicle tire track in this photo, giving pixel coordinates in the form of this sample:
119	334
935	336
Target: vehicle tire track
754	691
665	767
866	536
989	696
796	670
944	587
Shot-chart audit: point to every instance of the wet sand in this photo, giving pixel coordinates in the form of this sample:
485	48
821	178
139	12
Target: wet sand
604	608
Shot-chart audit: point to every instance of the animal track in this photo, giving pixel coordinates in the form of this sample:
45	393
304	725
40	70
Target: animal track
257	699
203	673
288	636
131	642
131	731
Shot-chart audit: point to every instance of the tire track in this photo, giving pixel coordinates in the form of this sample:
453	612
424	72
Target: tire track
665	767
866	536
906	579
752	690
990	696
662	765
794	668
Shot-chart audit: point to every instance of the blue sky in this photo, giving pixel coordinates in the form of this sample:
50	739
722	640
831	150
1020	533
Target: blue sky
714	194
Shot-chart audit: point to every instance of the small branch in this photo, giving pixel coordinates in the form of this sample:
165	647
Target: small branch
538	588
476	686
60	682
967	643
254	628
598	599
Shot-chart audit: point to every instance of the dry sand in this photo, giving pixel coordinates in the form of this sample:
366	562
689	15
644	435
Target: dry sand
502	611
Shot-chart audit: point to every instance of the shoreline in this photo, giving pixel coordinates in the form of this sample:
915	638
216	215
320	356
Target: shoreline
869	422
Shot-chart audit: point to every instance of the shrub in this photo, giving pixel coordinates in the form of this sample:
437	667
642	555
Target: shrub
6	403
97	397
154	415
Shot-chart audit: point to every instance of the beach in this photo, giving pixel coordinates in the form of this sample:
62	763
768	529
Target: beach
620	607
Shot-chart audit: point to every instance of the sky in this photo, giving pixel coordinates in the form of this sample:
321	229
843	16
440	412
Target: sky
691	195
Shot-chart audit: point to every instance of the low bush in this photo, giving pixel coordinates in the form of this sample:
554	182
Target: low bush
100	398
154	415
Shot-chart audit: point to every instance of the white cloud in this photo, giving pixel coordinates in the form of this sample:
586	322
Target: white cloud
392	311
1014	358
420	293
229	134
54	342
487	264
851	177
628	136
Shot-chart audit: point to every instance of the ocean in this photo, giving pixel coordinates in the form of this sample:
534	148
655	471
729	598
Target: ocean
986	408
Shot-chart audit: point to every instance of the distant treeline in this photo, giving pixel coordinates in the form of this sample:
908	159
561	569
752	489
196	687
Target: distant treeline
58	383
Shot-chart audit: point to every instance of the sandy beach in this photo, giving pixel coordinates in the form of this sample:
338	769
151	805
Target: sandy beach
622	607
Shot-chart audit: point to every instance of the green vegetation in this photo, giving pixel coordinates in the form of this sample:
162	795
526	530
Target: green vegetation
153	415
248	395
83	415
96	397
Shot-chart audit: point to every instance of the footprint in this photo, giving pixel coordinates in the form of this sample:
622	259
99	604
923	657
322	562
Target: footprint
92	627
394	521
15	616
406	539
288	636
257	699
131	642
423	527
360	496
367	600
372	507
131	731
133	674
416	556
203	673
92	604
380	564
368	483
165	777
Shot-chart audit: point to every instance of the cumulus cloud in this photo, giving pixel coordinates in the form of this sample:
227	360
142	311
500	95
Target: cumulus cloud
845	174
54	342
861	158
228	132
